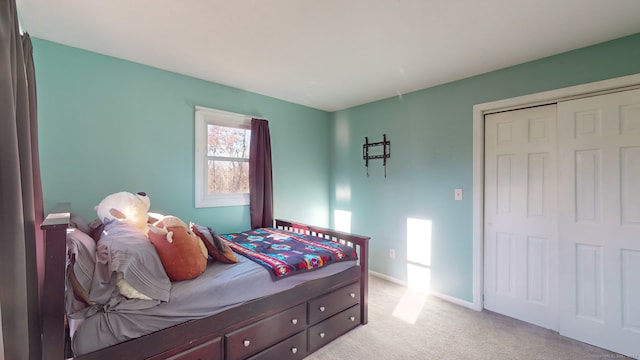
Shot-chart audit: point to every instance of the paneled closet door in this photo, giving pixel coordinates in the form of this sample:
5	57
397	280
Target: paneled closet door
520	225
599	220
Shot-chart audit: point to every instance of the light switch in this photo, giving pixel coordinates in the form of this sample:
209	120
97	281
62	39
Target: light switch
457	194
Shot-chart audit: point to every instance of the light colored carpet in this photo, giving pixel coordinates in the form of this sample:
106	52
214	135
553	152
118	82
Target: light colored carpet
442	330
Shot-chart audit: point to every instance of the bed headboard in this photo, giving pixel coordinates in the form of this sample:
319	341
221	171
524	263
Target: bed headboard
52	309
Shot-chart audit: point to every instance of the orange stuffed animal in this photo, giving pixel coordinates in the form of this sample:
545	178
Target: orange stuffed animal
182	253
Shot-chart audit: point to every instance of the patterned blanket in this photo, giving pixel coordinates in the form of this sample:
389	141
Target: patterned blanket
287	253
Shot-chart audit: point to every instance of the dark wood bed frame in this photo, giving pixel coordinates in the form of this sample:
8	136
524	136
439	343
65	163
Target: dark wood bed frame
286	325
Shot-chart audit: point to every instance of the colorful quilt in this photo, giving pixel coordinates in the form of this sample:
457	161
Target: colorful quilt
287	253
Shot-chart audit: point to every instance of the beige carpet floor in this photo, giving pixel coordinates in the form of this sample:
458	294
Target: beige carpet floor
408	325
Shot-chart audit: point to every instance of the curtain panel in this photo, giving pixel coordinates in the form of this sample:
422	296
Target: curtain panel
260	175
20	192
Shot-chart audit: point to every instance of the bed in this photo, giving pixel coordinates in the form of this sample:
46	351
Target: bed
287	322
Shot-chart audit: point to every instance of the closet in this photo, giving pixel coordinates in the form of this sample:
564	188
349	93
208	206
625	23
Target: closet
562	218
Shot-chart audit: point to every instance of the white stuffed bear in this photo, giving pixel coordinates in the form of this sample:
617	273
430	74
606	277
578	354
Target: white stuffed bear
125	206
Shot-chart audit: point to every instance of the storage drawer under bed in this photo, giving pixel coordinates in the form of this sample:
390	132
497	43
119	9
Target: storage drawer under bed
324	306
331	328
207	350
293	348
264	333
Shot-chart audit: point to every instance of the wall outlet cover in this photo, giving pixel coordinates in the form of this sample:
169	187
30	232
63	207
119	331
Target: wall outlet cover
457	194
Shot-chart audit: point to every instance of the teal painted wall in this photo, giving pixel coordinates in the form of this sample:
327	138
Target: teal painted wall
432	153
108	125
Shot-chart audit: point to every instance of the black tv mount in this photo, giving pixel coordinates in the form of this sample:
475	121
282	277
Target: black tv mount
386	152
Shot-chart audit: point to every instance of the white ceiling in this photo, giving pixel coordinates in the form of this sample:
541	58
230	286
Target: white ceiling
329	54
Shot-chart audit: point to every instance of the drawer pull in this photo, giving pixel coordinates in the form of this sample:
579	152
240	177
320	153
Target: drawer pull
294	350
352	318
322	308
352	295
294	321
246	343
321	335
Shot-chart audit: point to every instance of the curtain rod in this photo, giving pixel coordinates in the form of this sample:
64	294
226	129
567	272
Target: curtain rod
224	112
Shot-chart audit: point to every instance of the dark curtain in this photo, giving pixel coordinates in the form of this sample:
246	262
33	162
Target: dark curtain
260	178
20	192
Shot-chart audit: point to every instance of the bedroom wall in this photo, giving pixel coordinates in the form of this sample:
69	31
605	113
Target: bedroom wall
431	154
108	125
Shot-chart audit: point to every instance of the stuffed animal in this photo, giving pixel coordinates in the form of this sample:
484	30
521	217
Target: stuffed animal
124	220
182	253
125	206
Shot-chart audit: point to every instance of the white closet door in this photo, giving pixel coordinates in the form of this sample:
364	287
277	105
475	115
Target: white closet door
599	223
520	226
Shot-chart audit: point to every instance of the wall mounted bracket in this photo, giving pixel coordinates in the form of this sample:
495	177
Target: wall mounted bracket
386	152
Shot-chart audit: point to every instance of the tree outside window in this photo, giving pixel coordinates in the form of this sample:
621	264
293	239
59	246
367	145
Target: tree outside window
228	159
222	158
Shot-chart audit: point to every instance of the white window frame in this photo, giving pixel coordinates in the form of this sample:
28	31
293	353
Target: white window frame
204	117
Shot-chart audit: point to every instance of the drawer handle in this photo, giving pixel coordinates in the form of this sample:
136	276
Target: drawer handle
294	350
294	321
352	295
352	318
246	343
321	335
322	308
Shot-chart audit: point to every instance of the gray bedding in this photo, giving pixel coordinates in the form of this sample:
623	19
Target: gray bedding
222	286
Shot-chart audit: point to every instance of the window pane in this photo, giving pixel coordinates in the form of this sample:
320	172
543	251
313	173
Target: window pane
228	141
228	177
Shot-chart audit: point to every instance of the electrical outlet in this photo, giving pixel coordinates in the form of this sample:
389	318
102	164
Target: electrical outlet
392	253
457	194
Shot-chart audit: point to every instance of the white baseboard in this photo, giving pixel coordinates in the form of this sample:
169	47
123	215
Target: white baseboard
455	300
445	297
388	278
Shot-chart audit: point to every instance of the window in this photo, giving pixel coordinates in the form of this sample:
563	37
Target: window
222	158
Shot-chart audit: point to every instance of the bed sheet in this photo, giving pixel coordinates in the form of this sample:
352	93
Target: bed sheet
220	287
